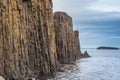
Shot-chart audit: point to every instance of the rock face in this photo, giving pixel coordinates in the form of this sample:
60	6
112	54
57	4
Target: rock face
31	43
86	55
27	39
67	41
76	45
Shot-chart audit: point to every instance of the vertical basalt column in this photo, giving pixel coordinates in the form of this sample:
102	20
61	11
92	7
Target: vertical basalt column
27	38
77	50
65	38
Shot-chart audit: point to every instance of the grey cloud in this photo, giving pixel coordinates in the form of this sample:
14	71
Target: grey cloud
97	23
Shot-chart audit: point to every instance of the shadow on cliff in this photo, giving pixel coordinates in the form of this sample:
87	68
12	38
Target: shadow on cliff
34	42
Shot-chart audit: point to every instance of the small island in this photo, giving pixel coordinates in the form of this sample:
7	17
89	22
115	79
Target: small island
107	48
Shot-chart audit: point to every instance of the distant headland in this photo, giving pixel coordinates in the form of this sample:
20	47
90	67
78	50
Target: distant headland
107	48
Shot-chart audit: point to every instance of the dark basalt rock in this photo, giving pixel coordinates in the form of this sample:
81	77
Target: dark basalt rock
86	55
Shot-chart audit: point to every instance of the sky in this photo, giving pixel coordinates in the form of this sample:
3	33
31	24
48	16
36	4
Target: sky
98	21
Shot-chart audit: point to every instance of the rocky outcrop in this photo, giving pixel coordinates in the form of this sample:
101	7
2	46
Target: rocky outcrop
33	41
27	39
86	55
67	41
76	45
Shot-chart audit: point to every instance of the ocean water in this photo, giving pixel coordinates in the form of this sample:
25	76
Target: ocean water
102	65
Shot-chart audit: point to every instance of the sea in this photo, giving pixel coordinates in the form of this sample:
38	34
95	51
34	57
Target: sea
102	65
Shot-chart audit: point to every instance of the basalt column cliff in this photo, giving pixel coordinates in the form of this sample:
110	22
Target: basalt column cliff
27	42
76	45
67	40
33	41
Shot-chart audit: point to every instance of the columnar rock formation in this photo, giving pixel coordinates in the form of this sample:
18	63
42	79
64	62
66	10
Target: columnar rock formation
27	42
76	44
30	44
67	40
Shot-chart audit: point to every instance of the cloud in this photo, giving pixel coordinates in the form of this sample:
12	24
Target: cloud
72	7
98	21
91	12
115	37
106	5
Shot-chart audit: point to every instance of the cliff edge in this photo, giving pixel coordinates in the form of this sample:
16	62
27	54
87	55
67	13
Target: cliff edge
33	40
27	42
67	40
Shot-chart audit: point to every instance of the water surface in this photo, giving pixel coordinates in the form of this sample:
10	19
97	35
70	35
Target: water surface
103	65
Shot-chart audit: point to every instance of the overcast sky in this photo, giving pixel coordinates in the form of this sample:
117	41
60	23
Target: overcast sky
98	21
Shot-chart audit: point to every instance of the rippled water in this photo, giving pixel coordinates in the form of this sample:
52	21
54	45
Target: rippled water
103	65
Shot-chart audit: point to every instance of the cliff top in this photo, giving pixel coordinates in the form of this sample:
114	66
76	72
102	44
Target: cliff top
62	14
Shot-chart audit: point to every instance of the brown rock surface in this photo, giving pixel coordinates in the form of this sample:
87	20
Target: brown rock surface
27	38
76	45
30	44
67	41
